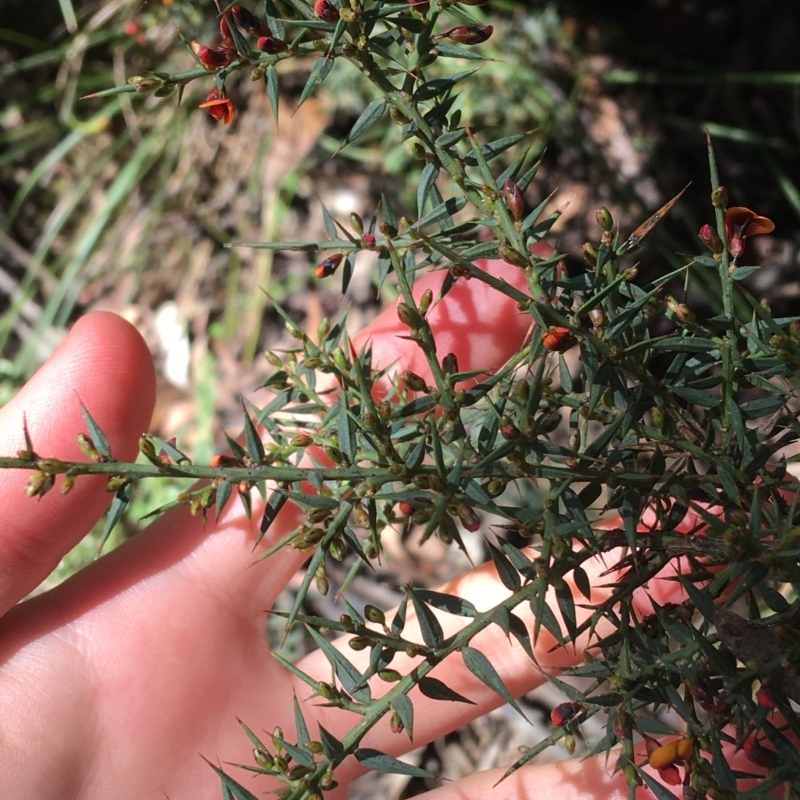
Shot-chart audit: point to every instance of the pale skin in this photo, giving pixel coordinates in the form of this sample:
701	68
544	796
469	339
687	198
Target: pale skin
115	683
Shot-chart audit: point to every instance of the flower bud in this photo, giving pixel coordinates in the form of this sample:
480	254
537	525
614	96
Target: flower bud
409	316
327	267
39	483
212	58
597	316
590	254
358	643
116	482
564	712
249	23
512	256
395	723
719	198
468	517
368	241
514	199
324	9
322	582
271	46
765	697
425	301
356	223
756	752
710	238
736	244
413	381
374	614
604	218
390	675
469	35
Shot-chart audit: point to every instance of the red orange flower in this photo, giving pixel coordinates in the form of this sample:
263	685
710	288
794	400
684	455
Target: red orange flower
741	222
328	266
220	107
558	339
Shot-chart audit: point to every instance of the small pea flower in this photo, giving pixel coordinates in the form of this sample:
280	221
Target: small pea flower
220	107
740	223
558	339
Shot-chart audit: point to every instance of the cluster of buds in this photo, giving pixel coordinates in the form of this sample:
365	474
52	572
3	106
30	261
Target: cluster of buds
220	56
219	106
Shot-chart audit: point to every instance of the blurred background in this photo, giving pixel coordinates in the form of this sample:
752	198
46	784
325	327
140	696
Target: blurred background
126	203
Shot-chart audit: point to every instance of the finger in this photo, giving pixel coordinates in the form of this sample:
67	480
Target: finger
591	778
105	363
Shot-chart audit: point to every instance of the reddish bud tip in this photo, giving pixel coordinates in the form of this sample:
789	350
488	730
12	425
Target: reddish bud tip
468	517
710	238
514	199
765	697
325	10
271	46
756	752
249	23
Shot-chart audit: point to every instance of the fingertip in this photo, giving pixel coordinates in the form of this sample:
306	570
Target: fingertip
104	364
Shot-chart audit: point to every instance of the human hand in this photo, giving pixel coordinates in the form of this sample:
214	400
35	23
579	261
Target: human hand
112	684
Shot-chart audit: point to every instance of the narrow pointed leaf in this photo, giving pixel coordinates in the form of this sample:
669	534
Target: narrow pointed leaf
374	759
477	663
97	435
369	116
347	674
115	512
255	447
426	181
432	633
273	506
331	746
222	497
318	74
229	785
300	724
509	576
436	690
273	90
450	603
